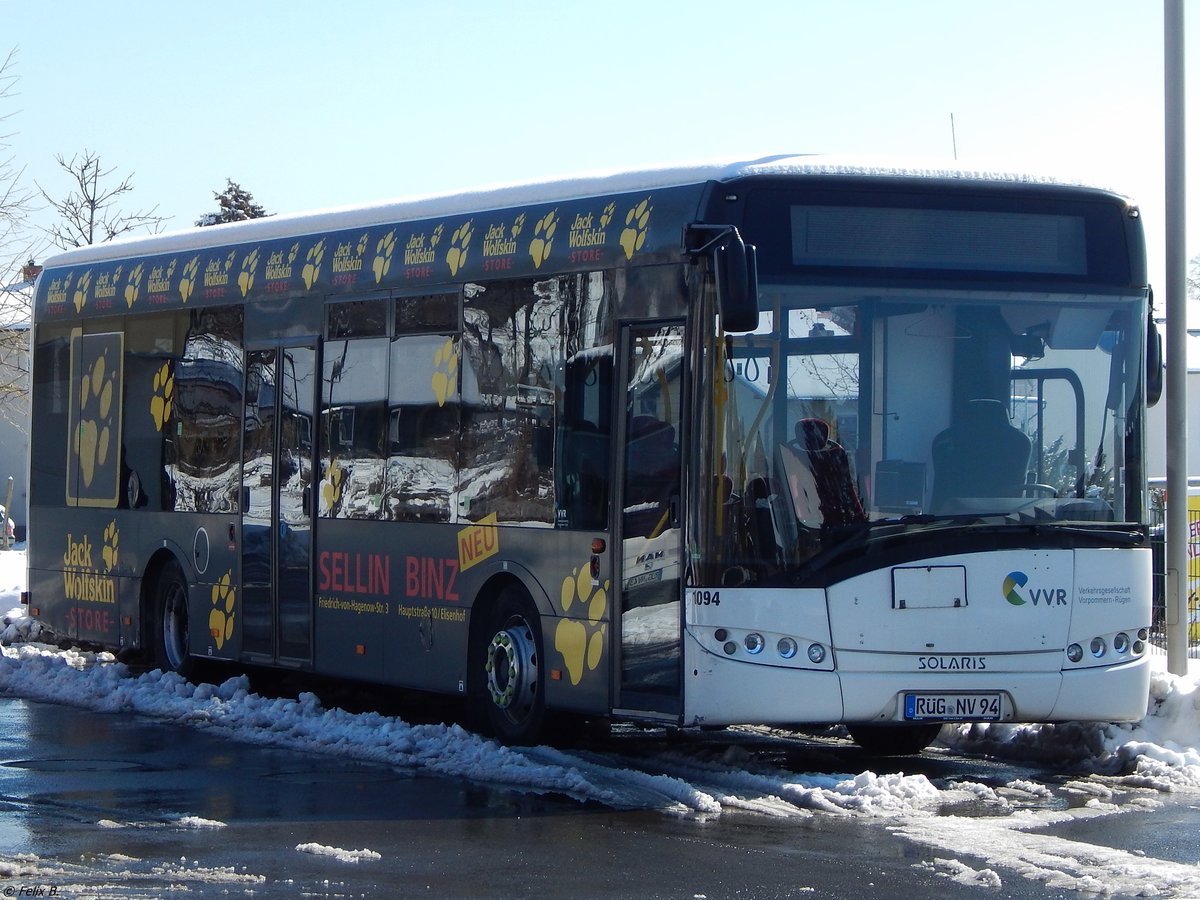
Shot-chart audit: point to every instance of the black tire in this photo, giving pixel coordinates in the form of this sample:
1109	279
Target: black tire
512	694
894	740
172	651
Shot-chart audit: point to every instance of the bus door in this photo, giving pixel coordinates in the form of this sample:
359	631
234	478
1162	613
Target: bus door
651	618
277	504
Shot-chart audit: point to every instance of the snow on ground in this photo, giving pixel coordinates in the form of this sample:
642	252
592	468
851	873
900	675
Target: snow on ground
337	853
1140	760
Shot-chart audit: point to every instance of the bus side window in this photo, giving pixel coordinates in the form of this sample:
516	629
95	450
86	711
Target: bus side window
422	430
585	384
353	423
585	442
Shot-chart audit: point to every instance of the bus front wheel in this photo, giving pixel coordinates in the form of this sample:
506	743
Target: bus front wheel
513	695
171	648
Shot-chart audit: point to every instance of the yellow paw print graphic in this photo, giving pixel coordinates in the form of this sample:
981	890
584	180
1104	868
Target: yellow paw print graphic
249	270
606	216
634	233
109	553
543	237
187	278
436	236
312	264
81	289
133	287
220	620
445	375
384	248
160	402
456	256
582	644
96	409
517	225
331	487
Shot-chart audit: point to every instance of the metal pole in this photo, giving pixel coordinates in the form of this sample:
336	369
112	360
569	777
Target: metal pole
1176	316
7	514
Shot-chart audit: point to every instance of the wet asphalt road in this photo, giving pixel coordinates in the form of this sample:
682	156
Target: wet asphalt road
124	806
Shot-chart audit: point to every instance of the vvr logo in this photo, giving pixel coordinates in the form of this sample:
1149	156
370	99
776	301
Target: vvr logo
1015	594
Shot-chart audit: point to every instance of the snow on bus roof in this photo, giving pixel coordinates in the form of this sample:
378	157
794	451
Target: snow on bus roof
548	191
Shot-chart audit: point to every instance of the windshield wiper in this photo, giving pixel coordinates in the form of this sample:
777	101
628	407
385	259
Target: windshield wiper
873	536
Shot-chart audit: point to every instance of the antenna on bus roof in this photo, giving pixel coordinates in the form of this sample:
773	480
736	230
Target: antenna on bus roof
953	137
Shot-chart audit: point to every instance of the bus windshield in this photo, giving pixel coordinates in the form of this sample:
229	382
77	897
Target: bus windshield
849	409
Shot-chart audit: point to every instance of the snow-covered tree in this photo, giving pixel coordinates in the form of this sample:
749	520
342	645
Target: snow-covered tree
236	203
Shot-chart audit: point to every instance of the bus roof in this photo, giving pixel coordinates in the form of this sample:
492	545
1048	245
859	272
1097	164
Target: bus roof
528	194
427	244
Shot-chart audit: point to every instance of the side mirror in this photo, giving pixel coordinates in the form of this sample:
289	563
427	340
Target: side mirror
1154	362
737	284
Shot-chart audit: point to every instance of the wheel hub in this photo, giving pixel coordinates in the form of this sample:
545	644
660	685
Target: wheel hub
512	667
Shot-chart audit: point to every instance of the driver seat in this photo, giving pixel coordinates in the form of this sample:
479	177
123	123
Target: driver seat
980	455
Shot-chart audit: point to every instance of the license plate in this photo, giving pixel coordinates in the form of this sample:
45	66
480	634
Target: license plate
952	707
644	578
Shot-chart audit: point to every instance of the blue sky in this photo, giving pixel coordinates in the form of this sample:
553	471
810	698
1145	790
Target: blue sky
313	104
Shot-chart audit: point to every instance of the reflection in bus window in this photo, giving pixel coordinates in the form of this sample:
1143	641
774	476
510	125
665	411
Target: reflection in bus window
585	414
353	422
422	429
427	314
512	343
202	431
153	345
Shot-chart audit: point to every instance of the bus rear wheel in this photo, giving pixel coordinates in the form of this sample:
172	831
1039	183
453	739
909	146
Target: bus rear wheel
171	645
513	695
894	740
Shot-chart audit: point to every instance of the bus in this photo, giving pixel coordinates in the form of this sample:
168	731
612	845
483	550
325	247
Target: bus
782	442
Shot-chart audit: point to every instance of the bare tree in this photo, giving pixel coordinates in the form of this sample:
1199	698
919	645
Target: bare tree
16	281
15	200
89	214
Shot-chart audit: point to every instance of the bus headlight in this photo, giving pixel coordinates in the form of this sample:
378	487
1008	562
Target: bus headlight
816	654
754	642
786	647
1099	648
1121	643
1074	653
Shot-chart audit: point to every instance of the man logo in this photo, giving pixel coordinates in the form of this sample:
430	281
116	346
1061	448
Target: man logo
1013	581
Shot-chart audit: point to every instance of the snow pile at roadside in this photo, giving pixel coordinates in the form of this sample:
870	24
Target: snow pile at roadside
1159	751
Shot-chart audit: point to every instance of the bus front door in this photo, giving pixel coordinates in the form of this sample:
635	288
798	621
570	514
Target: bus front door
651	552
277	472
